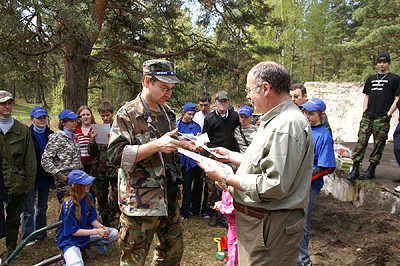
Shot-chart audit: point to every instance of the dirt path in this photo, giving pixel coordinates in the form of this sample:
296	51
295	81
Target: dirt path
342	234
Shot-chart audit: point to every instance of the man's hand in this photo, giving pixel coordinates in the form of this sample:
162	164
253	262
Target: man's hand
167	144
223	152
213	171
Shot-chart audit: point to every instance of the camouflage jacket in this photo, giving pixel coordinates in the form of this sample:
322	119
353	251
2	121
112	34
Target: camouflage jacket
17	151
142	186
60	157
102	168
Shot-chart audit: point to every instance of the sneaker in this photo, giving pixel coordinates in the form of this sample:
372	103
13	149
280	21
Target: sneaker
30	243
397	189
206	216
183	218
307	263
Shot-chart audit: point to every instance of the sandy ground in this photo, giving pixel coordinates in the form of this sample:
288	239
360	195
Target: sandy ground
342	234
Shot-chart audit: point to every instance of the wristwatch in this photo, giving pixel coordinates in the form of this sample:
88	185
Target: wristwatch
223	180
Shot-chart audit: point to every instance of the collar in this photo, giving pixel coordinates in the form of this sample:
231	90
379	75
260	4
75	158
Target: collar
224	116
268	116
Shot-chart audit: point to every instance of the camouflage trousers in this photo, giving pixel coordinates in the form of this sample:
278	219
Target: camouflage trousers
379	128
137	232
107	199
214	194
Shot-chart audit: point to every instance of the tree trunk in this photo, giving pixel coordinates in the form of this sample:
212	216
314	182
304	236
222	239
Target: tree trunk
77	70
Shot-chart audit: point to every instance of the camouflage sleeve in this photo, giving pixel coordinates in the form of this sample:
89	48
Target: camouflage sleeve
48	156
30	162
93	149
122	150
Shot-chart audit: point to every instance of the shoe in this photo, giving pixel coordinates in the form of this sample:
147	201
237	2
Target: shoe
396	179
30	243
307	263
397	189
213	219
222	221
355	172
206	216
183	218
370	173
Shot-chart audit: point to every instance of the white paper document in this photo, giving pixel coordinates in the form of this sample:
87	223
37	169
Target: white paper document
102	131
202	159
200	140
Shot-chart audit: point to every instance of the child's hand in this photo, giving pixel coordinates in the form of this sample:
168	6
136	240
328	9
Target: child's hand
216	205
92	137
104	232
63	178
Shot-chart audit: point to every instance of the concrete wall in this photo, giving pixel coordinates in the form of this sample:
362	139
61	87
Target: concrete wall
344	102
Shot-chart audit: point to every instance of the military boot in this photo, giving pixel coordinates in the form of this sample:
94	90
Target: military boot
370	173
355	172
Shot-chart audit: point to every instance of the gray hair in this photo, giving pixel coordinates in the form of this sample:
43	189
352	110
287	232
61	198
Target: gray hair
275	74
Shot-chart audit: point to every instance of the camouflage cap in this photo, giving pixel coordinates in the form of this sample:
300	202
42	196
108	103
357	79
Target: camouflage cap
5	96
222	95
163	70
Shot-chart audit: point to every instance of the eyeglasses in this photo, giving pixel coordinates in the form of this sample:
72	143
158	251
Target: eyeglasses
248	90
165	89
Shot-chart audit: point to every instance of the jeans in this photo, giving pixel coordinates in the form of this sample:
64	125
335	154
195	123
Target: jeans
304	257
396	143
31	220
191	200
73	254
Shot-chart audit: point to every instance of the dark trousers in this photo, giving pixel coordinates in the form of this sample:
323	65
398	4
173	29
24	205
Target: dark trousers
191	200
396	143
16	206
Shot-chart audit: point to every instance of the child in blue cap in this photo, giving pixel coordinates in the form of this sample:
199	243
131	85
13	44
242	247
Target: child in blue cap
243	132
191	172
80	221
35	219
324	163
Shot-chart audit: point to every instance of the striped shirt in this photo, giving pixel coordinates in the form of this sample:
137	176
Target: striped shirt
83	143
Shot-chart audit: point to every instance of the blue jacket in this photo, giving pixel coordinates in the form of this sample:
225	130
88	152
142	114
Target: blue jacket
191	127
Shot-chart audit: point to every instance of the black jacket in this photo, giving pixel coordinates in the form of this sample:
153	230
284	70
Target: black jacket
40	173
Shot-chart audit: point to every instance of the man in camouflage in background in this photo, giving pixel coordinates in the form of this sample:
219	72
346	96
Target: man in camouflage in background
382	92
106	173
141	144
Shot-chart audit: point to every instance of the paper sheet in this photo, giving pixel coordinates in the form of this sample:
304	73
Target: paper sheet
200	140
202	159
102	131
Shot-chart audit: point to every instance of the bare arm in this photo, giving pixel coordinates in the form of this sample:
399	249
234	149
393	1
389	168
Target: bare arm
215	173
365	104
394	105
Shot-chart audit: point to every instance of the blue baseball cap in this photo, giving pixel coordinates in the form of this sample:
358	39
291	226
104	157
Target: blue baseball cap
68	114
38	111
189	107
79	177
314	104
246	110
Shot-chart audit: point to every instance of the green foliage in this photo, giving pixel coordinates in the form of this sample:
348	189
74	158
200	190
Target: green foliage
212	43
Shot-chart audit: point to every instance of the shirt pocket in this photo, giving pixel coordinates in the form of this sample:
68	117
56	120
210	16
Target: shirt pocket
145	197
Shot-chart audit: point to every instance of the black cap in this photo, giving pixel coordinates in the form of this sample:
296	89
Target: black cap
383	57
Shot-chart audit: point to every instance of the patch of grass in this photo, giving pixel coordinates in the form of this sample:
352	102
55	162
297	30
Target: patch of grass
199	245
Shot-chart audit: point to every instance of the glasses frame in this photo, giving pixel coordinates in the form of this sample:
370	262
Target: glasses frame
165	89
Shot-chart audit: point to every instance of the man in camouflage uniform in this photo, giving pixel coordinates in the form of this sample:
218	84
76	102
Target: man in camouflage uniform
18	166
106	173
381	95
141	144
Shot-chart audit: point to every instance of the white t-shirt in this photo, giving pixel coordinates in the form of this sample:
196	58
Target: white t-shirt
199	119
